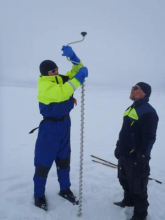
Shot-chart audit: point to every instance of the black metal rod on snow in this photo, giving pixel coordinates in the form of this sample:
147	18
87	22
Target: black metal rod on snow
104	160
107	163
104	164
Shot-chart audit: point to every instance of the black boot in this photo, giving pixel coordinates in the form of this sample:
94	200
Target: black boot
137	218
120	204
41	203
67	194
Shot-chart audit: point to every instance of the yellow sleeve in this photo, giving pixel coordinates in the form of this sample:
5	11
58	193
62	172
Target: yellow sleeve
74	70
49	92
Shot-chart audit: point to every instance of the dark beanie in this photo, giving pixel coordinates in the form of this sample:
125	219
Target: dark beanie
46	66
146	88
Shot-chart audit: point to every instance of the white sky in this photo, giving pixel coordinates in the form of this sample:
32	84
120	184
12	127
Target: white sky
125	42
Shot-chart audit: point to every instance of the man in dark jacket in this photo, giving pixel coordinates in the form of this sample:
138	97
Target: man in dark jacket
133	148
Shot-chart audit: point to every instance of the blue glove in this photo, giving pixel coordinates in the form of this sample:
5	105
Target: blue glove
81	74
68	52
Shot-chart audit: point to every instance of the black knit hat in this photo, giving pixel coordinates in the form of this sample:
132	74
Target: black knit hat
145	87
46	66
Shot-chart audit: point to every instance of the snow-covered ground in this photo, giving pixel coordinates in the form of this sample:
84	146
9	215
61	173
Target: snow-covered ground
103	119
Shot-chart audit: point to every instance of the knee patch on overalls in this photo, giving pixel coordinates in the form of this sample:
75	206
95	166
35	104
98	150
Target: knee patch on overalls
42	171
63	163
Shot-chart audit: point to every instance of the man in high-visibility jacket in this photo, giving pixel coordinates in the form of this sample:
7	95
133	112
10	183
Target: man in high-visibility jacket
136	139
55	96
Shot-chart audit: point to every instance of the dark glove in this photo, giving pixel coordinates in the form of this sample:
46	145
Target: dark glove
142	164
68	52
142	158
141	169
81	74
116	153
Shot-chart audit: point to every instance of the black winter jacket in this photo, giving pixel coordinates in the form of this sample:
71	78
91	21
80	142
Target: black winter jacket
138	132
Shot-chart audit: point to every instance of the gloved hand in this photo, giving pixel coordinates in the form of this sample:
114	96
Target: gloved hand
116	152
141	164
81	74
141	169
68	52
142	158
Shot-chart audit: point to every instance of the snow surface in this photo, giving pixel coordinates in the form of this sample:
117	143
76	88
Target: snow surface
103	119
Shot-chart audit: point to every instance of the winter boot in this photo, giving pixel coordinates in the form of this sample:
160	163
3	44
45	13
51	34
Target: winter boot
67	194
41	203
137	218
120	204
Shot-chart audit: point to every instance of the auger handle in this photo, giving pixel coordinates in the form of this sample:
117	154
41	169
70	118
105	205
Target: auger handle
83	34
74	42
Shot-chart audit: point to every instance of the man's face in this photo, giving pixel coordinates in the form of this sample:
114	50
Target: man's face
136	93
53	72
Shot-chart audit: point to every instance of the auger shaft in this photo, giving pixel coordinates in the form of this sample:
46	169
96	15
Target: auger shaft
81	149
81	135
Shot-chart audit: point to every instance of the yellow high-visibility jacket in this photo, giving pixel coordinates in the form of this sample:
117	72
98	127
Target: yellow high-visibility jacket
55	93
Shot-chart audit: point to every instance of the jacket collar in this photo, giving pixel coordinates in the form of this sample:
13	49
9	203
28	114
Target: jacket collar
140	102
52	78
47	78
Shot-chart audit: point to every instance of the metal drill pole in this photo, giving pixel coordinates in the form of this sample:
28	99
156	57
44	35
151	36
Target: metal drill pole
81	135
81	150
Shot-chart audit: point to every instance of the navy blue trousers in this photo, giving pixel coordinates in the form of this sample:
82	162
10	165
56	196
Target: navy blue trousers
133	177
52	144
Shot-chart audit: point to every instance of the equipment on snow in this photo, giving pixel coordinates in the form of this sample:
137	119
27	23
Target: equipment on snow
68	195
104	164
107	163
81	133
104	160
